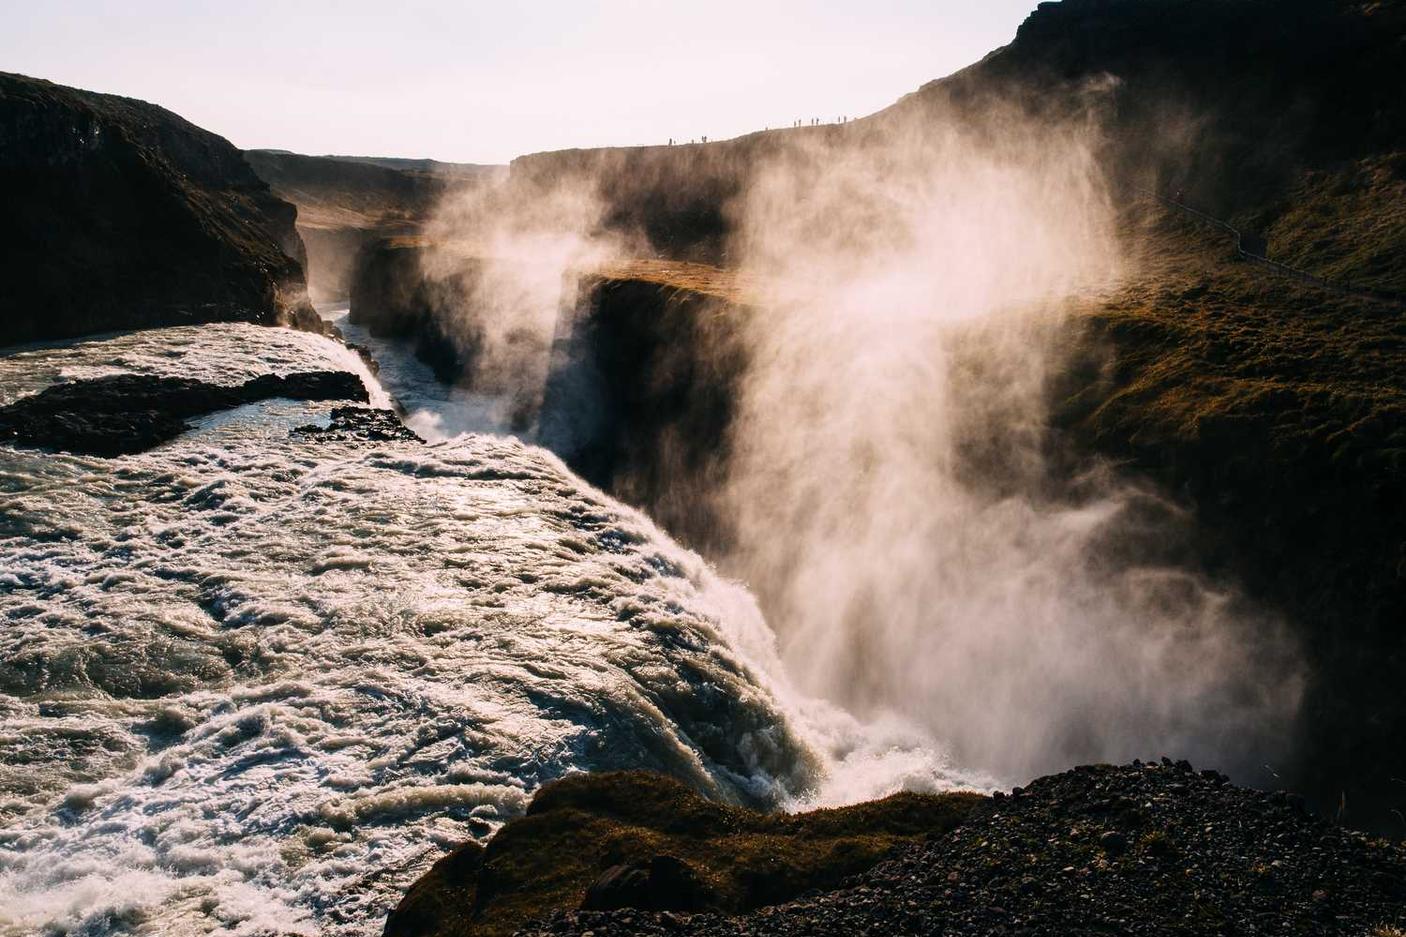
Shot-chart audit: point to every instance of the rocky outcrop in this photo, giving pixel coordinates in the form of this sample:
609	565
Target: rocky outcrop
642	392
120	214
392	297
129	413
359	424
1138	849
644	841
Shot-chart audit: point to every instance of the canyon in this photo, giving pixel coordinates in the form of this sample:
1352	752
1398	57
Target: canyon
846	477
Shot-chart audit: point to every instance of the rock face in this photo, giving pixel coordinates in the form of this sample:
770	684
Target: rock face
392	298
120	214
360	424
642	393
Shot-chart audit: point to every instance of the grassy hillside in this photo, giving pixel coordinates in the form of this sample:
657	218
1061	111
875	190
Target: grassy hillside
1275	408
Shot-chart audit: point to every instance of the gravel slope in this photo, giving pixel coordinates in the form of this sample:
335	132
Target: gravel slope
1137	849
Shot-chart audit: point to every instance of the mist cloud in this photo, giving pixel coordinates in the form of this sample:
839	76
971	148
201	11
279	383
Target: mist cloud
891	487
890	491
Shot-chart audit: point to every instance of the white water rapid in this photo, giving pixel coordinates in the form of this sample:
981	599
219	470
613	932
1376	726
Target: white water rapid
254	683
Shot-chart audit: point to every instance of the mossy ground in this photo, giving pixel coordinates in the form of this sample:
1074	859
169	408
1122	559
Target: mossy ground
577	828
1277	409
1347	224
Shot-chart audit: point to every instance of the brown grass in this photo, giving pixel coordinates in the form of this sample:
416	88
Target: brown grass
580	826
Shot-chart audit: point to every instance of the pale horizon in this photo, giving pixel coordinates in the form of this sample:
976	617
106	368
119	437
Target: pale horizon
484	84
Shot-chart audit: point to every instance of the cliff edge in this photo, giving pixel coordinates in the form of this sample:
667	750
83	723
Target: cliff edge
122	215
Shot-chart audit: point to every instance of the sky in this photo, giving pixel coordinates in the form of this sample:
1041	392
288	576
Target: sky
483	82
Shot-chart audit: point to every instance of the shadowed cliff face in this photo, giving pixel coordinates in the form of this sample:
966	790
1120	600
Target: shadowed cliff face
642	394
119	214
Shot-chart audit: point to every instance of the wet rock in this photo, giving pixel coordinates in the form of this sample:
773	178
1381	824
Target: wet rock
130	413
360	424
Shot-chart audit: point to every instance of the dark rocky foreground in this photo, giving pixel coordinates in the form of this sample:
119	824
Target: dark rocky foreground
120	214
1137	849
641	840
129	413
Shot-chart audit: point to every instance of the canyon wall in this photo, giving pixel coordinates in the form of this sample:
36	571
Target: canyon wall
120	214
347	203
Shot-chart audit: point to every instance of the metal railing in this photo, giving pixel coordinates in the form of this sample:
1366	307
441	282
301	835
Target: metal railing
1344	287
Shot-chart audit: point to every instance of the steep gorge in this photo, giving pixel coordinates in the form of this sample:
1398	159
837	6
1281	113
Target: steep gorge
1263	406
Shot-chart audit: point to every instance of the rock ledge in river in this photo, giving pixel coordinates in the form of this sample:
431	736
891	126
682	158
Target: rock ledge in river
130	413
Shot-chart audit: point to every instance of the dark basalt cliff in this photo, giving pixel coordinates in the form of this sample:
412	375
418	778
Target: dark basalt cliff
392	297
127	413
120	214
643	389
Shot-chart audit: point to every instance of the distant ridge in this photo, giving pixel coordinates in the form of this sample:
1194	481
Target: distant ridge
400	163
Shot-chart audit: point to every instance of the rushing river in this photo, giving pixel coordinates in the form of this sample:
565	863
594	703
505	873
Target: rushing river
253	683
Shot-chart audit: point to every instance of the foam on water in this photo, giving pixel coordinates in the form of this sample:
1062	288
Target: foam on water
435	410
255	684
